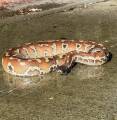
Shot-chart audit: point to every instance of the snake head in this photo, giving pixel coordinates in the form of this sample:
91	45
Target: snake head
102	53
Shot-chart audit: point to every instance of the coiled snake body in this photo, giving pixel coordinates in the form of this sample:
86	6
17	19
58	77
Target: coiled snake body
42	57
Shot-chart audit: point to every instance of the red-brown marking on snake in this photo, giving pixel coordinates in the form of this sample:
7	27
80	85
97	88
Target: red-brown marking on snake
42	57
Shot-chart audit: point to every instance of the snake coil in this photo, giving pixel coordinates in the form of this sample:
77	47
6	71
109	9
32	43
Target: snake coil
38	58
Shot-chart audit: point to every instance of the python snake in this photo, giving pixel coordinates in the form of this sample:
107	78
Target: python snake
31	59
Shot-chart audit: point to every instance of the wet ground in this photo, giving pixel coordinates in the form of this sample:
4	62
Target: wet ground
86	93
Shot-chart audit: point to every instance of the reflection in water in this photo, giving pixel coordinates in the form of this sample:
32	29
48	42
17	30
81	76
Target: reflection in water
12	83
19	82
89	72
25	85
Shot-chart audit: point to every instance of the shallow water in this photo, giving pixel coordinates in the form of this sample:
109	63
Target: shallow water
86	93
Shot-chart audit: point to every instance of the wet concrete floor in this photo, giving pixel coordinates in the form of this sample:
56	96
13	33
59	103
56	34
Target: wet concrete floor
86	93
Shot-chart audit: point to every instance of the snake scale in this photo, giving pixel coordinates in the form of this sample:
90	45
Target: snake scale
32	59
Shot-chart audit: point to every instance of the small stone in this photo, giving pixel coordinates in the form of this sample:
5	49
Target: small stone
51	98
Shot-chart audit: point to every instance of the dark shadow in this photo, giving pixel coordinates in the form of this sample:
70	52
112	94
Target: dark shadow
65	70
